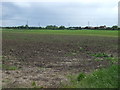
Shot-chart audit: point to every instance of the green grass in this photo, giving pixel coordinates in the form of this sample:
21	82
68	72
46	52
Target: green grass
109	33
100	55
102	78
103	56
34	85
9	67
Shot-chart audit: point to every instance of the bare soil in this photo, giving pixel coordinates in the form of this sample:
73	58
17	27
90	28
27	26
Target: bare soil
47	60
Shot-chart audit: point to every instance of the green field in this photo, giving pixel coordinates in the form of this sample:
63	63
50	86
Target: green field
109	33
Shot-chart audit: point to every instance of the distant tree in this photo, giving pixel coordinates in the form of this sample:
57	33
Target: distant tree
55	27
21	27
78	28
52	27
26	26
114	27
62	27
39	27
96	28
87	27
108	28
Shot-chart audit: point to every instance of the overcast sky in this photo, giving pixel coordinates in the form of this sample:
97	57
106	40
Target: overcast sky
59	12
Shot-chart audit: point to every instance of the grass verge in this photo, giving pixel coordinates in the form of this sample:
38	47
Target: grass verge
102	78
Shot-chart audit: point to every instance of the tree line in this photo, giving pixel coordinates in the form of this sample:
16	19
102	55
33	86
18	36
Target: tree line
54	27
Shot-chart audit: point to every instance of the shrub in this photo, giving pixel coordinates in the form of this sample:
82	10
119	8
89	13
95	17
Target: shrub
80	76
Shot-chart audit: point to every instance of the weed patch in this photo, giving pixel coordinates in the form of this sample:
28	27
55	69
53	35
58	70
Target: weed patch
100	55
80	76
34	85
9	67
102	78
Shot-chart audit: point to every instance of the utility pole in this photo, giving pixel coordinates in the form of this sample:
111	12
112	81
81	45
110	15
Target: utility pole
26	25
38	24
88	23
27	22
97	25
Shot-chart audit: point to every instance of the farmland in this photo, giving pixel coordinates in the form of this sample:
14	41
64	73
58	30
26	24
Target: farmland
45	58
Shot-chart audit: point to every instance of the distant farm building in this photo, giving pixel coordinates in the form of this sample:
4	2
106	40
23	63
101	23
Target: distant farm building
103	27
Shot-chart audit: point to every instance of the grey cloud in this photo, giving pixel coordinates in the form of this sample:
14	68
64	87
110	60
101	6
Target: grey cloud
59	13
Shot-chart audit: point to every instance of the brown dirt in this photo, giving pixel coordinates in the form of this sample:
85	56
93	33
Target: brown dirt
48	59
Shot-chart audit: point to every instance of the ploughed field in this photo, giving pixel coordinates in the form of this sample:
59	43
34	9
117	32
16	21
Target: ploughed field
45	58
